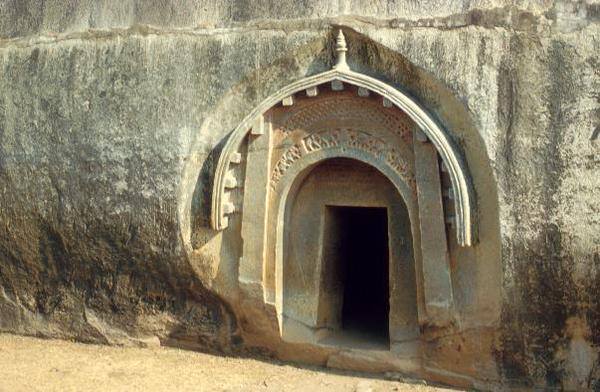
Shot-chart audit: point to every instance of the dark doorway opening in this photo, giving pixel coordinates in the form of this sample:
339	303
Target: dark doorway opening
362	258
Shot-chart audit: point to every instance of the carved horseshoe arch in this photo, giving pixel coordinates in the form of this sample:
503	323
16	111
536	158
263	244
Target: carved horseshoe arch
341	73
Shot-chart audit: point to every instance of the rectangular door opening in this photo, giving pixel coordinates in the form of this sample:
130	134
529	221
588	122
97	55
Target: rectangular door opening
358	252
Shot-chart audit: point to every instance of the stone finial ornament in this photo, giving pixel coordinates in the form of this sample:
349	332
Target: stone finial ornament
340	49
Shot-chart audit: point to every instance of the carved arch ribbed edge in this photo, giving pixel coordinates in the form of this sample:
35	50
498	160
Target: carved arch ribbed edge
460	178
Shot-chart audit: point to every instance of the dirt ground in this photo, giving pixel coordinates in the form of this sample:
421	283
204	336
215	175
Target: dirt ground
29	364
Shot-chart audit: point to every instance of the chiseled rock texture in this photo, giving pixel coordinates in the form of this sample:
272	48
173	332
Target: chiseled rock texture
106	120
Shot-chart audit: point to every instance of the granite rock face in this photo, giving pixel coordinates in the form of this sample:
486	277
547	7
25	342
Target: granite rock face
112	117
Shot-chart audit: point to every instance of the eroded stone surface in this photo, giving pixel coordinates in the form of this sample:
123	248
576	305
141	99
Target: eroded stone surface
109	138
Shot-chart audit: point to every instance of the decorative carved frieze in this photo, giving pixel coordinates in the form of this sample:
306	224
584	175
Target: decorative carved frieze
372	146
351	109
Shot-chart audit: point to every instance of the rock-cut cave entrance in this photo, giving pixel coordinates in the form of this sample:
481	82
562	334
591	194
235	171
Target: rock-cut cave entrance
349	271
357	242
341	194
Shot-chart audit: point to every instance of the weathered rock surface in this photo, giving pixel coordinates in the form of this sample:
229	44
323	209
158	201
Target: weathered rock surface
111	117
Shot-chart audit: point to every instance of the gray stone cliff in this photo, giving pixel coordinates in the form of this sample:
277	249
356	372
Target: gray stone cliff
112	112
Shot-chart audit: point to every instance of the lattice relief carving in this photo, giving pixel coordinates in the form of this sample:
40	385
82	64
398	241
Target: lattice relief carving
344	121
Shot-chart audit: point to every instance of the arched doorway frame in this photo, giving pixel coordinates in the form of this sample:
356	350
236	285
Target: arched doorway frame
294	177
460	179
